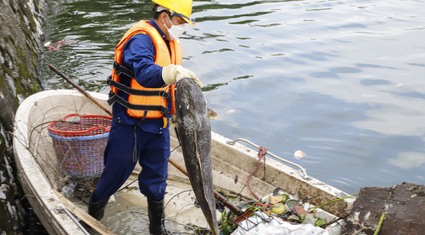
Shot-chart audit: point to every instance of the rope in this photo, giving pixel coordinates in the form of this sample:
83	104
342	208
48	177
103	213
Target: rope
262	151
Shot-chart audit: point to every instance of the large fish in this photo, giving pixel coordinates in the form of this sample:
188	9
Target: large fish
194	132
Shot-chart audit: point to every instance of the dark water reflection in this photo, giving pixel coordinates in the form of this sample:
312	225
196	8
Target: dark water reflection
341	80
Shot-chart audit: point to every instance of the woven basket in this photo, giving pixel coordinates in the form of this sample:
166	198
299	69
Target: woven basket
79	142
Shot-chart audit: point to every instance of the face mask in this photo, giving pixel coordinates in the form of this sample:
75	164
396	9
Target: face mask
175	31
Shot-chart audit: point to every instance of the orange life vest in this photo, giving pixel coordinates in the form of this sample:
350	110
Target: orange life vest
145	102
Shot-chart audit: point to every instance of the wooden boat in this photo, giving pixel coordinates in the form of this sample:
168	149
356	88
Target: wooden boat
233	166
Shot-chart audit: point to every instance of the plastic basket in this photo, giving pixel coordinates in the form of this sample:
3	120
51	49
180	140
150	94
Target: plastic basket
79	142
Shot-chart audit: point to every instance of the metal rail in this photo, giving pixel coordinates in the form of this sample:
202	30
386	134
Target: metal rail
275	157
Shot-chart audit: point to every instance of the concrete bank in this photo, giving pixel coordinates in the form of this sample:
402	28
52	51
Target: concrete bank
20	53
398	210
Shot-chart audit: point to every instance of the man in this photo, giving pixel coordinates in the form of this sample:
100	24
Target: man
146	66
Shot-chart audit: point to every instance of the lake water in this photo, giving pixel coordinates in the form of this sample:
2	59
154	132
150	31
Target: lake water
343	81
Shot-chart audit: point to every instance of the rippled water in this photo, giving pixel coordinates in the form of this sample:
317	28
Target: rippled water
341	80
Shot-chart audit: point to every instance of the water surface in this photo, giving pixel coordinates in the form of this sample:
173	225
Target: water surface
341	80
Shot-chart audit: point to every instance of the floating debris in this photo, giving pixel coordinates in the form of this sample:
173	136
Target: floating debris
55	46
299	154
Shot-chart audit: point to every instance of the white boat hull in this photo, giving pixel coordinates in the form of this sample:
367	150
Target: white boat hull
232	164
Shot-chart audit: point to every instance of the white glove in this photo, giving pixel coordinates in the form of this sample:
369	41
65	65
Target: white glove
173	73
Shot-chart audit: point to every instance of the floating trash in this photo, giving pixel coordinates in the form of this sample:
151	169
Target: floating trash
299	154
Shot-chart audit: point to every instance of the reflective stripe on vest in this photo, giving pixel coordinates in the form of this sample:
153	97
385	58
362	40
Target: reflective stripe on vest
145	102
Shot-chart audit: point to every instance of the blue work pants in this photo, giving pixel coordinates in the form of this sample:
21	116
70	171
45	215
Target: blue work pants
153	152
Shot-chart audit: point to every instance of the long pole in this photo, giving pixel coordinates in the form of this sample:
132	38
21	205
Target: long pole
76	86
218	196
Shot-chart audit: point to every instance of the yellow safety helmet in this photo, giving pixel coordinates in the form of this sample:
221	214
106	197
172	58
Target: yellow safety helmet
182	8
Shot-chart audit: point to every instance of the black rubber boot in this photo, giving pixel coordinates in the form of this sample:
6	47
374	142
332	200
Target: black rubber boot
156	215
97	209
